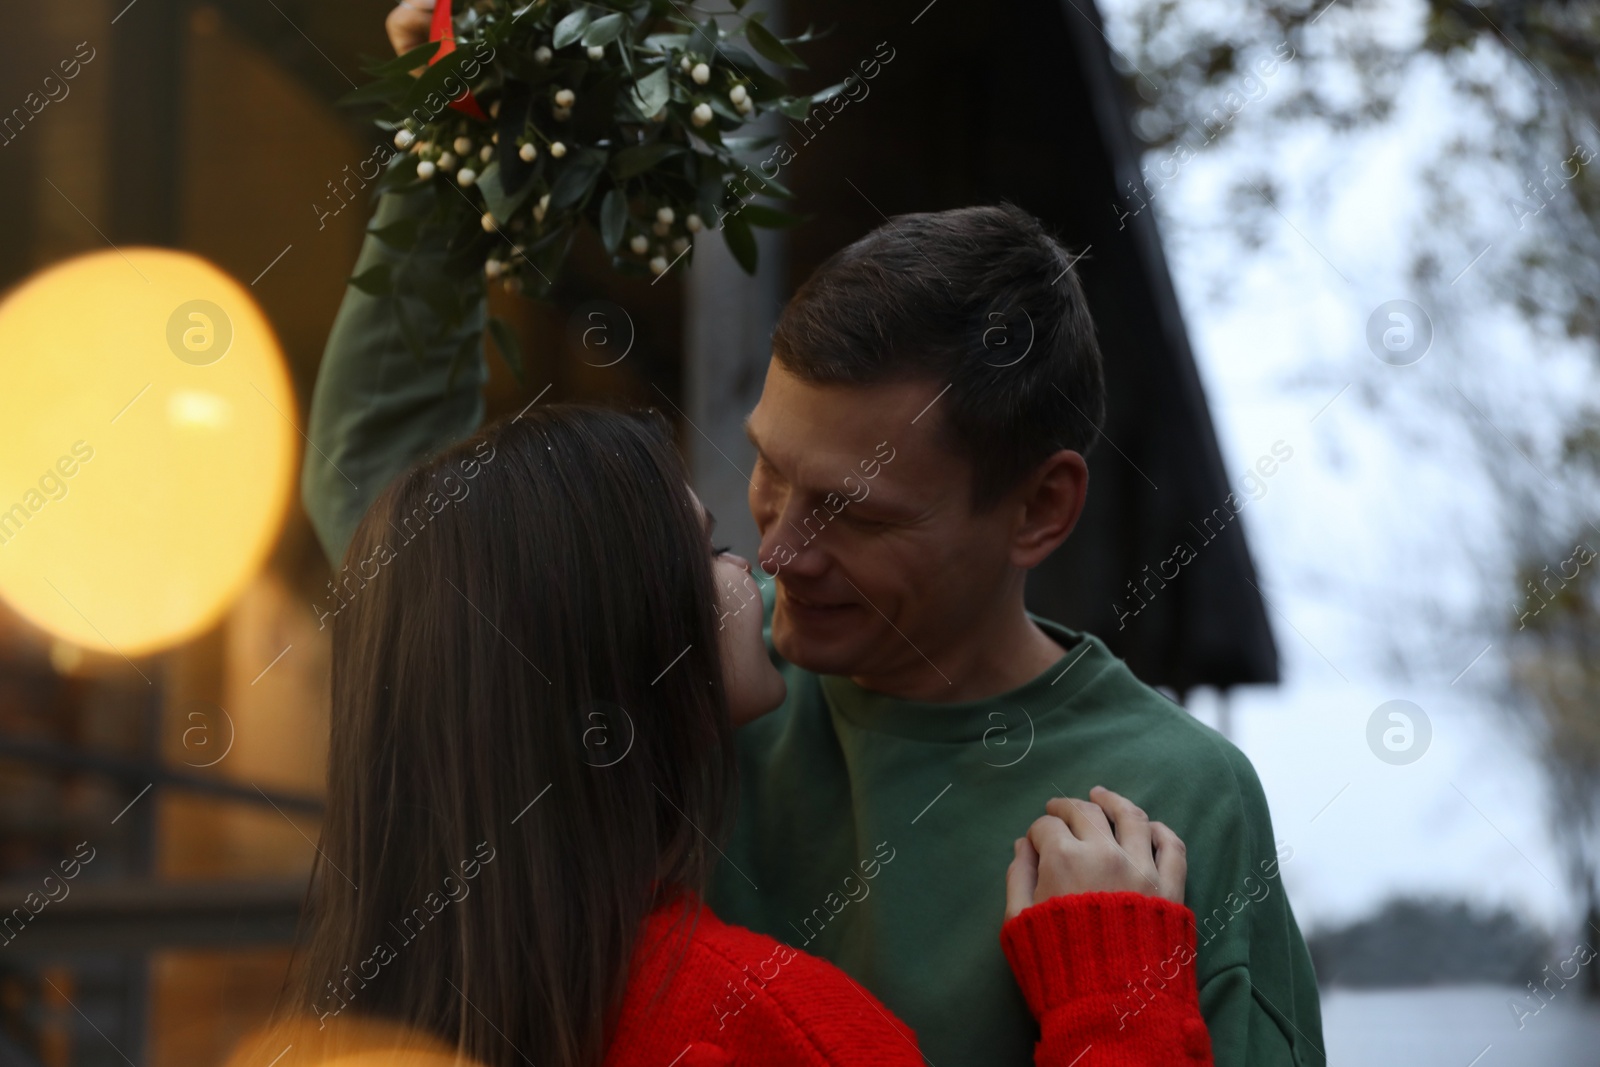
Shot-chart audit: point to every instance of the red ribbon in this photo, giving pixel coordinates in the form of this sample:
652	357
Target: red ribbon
440	31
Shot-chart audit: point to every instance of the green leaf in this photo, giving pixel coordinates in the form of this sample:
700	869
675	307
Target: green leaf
571	28
762	86
795	107
741	242
707	31
767	44
747	144
505	340
700	144
723	109
651	92
662	43
604	30
636	159
824	95
577	177
613	219
769	217
627	59
388	90
376	281
404	63
759	184
811	34
501	202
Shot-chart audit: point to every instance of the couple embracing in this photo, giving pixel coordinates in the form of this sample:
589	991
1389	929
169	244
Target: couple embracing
850	804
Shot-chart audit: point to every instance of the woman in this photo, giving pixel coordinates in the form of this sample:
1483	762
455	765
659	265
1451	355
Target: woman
535	679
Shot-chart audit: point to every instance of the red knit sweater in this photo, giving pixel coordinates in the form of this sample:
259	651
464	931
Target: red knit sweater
1109	976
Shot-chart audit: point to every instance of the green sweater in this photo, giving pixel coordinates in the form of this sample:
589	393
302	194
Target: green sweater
874	831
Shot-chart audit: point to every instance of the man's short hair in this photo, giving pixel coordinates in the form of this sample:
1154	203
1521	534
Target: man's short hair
981	298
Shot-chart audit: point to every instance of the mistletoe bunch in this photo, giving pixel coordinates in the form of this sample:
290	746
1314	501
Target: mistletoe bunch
542	117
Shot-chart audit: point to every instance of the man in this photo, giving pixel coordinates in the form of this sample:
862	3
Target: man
911	471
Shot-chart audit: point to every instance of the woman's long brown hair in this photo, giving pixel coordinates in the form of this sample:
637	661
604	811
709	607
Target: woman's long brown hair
530	740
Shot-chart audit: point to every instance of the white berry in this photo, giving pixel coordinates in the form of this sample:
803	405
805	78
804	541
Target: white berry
447	161
701	73
561	114
738	94
693	223
565	97
680	246
528	152
425	169
597	51
486	154
658	265
404	139
664	214
701	114
640	244
661	229
542	55
466	176
488	222
557	149
463	146
684	64
493	268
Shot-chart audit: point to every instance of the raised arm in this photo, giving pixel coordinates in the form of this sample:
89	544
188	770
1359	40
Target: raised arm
1099	939
378	408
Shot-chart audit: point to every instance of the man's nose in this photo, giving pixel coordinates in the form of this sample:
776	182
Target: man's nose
785	547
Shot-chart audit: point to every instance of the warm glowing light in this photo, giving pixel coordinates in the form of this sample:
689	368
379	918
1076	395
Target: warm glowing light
146	452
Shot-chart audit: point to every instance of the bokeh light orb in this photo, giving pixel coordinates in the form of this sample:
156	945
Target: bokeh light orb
146	447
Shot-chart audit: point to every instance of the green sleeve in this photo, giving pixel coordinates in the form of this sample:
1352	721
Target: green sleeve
1258	991
377	408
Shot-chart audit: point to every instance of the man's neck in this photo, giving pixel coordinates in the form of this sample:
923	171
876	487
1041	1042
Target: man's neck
1010	655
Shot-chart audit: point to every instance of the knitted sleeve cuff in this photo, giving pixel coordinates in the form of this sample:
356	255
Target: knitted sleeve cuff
1095	945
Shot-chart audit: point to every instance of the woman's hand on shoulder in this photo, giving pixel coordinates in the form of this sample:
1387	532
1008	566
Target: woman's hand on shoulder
1105	844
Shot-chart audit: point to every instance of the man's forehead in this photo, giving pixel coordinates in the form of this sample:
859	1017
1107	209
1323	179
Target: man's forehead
841	414
808	452
817	446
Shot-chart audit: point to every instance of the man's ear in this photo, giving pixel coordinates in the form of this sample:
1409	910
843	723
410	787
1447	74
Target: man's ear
1051	503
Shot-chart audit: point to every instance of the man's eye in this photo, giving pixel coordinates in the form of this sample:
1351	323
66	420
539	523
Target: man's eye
723	551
